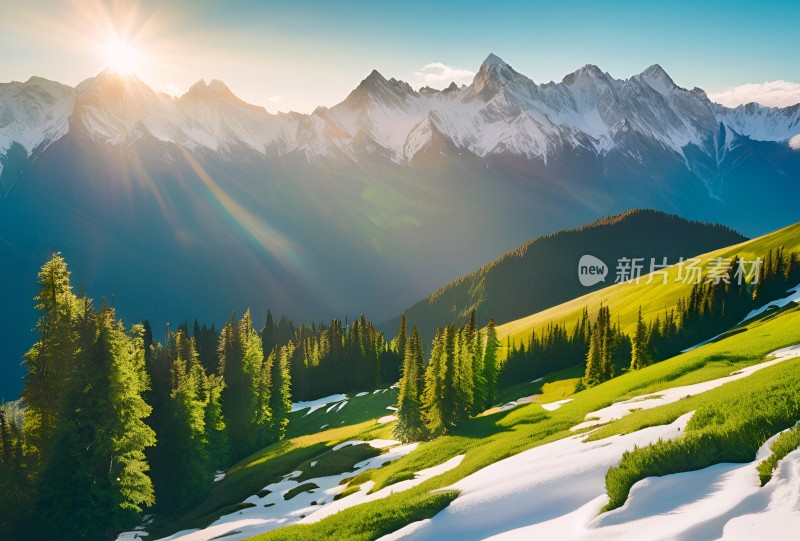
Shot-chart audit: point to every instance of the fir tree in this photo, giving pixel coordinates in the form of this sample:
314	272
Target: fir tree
410	426
640	356
51	360
490	366
281	396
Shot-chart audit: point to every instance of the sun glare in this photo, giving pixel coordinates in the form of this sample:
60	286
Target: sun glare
123	57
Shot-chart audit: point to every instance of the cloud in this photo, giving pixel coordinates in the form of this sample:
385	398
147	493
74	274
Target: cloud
275	99
771	93
438	75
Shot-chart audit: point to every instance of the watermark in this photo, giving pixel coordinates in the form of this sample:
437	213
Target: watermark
592	270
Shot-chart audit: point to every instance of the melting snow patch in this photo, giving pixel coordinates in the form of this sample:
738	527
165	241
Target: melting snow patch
553	406
271	511
391	408
387	419
362	394
362	497
793	295
347	444
794	142
383	444
318	403
219	476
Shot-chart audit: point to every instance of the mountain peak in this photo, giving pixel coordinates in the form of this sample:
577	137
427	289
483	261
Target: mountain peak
493	61
658	79
589	71
215	87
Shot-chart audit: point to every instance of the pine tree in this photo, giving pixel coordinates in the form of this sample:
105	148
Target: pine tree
640	355
410	426
490	365
433	395
281	396
51	360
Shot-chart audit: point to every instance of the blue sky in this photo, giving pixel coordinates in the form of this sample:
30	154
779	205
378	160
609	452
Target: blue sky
296	55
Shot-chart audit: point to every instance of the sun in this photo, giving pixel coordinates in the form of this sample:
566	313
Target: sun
122	56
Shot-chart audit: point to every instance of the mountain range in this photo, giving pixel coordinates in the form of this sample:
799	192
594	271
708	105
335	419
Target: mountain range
192	206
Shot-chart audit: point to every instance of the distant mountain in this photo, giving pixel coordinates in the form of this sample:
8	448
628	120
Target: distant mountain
192	206
544	271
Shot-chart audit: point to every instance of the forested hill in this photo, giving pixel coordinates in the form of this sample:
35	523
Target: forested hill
543	272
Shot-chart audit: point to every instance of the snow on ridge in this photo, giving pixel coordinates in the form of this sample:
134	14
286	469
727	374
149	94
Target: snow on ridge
502	111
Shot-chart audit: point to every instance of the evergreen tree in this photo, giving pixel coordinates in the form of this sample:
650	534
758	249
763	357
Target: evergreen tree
281	396
640	356
433	394
490	365
51	360
410	425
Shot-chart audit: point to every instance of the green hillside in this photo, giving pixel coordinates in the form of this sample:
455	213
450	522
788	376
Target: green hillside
542	272
624	299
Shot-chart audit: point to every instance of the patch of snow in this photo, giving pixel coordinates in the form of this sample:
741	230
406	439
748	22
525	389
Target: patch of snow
131	536
323	427
508	406
793	295
405	530
794	142
362	394
668	396
318	403
362	495
347	444
392	408
553	406
383	444
313	463
387	419
341	405
376	391
537	380
272	511
536	486
219	476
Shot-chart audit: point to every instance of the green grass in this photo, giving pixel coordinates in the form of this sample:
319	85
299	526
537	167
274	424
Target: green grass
490	438
299	489
358	410
334	462
787	442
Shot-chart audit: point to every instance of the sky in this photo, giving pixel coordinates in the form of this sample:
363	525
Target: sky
295	56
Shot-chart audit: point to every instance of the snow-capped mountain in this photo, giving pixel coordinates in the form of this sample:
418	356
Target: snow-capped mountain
501	113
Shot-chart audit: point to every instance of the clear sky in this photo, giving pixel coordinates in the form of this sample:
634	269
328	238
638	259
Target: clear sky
297	55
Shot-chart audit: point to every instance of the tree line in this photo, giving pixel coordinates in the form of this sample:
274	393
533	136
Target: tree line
711	308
